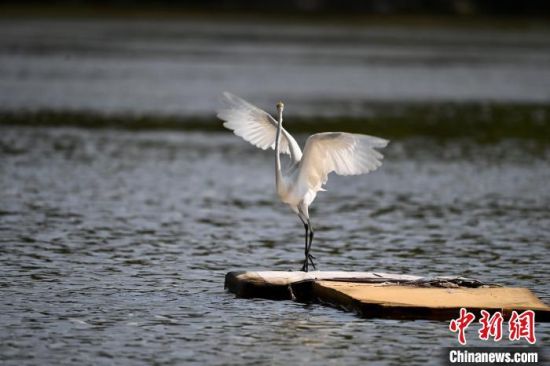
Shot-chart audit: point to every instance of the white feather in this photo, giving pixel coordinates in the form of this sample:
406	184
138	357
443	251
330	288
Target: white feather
255	126
339	152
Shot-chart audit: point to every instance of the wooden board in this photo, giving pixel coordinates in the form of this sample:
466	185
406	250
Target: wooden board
372	294
410	302
279	285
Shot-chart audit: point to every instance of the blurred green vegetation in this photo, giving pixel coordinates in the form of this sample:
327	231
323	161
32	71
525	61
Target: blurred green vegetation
482	122
335	7
508	14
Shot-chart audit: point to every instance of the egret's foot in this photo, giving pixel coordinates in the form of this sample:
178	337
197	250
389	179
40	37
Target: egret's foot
310	258
305	265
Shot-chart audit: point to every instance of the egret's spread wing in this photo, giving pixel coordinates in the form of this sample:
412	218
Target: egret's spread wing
255	126
339	152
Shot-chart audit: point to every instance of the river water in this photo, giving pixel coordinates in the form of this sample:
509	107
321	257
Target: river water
181	66
114	244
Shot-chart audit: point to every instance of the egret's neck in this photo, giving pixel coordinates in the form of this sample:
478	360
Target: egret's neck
278	174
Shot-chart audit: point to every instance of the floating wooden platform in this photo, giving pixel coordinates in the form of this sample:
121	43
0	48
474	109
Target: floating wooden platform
383	295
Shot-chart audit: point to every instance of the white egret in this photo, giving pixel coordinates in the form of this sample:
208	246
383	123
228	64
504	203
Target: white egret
297	186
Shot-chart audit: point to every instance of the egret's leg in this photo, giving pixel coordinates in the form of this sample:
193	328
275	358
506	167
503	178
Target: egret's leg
304	217
306	246
308	255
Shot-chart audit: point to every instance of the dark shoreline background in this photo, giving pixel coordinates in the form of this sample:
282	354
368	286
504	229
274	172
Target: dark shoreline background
326	8
483	123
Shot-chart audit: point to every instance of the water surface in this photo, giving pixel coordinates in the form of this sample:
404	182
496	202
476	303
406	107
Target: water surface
181	66
114	245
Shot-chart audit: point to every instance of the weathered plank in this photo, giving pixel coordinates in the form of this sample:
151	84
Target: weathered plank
278	285
372	294
412	302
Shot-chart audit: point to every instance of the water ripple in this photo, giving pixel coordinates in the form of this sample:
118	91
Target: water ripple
114	246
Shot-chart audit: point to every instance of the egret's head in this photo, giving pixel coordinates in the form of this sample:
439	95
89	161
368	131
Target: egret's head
280	107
